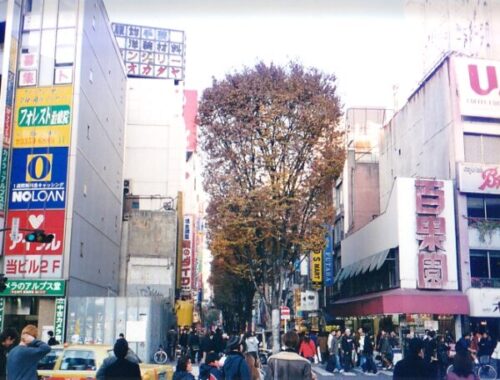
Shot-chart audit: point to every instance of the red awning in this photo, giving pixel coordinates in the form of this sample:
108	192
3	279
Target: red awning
403	301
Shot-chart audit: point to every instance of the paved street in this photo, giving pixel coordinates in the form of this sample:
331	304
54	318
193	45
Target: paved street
356	373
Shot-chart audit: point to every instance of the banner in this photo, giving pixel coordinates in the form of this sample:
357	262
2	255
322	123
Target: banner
328	260
34	288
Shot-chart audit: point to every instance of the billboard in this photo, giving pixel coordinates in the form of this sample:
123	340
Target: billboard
479	178
42	117
50	221
151	52
190	111
317	268
38	178
478	87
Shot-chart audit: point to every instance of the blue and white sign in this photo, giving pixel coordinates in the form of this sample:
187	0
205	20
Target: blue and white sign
328	260
38	178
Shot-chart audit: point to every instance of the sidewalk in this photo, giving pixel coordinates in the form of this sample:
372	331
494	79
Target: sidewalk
319	369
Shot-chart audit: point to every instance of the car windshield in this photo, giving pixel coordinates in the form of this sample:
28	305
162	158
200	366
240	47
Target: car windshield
49	360
78	360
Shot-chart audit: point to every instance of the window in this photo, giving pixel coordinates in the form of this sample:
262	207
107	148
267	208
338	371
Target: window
485	264
78	360
483	206
482	148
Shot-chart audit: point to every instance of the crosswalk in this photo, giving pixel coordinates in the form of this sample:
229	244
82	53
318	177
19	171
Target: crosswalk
355	372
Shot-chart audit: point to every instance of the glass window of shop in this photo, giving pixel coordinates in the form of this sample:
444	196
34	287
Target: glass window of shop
481	148
485	268
49	33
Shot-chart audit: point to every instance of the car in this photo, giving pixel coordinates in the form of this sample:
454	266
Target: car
49	360
81	361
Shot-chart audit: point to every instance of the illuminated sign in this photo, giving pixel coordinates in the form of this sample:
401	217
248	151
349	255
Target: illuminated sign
38	178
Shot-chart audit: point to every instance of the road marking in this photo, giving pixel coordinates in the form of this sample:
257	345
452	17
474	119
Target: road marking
321	371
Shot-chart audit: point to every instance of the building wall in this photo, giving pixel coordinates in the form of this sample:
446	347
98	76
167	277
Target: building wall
149	257
365	194
155	140
419	139
96	158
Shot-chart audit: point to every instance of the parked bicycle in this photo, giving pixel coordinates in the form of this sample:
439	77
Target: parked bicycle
160	356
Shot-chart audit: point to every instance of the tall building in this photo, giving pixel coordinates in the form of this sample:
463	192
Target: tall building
63	105
431	259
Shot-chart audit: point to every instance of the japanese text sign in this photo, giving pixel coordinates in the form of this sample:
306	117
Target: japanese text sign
33	266
59	319
42	117
38	178
151	52
50	221
34	288
431	234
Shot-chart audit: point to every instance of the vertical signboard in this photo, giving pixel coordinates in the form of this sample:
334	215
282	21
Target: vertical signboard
431	234
328	259
59	319
317	268
187	259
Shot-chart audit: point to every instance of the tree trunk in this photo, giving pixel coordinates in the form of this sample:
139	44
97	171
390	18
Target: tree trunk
275	323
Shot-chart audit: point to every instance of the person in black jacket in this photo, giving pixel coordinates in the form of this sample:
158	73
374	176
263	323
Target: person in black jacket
121	368
194	346
347	345
413	366
7	340
370	365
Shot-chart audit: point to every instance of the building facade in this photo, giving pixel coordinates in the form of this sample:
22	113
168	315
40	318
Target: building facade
63	107
429	261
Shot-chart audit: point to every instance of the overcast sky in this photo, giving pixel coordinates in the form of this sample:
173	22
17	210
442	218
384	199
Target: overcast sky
365	43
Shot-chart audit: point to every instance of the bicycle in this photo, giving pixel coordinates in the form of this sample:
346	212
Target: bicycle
484	371
160	356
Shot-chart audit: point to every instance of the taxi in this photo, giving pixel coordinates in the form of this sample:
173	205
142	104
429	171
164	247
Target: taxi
81	362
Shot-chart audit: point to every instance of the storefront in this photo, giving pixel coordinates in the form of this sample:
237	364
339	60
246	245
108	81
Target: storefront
484	310
38	302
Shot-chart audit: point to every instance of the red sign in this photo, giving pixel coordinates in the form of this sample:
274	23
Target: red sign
50	221
35	266
285	312
431	234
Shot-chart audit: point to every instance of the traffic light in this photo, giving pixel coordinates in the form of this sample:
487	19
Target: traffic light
3	282
39	237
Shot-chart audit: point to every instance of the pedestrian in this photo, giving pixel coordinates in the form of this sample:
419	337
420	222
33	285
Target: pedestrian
130	356
171	342
442	356
288	365
252	345
7	339
183	369
121	367
210	369
485	348
253	367
194	346
462	368
368	354
463	344
206	345
52	340
496	355
235	367
347	345
413	366
360	347
183	341
386	350
333	364
323	346
218	341
307	348
23	359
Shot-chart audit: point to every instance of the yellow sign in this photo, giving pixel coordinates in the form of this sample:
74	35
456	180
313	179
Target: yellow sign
317	267
184	311
42	117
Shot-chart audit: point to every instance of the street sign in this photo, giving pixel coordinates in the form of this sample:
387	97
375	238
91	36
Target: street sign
26	287
285	313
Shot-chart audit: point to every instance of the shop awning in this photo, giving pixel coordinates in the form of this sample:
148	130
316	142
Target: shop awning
408	301
368	264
